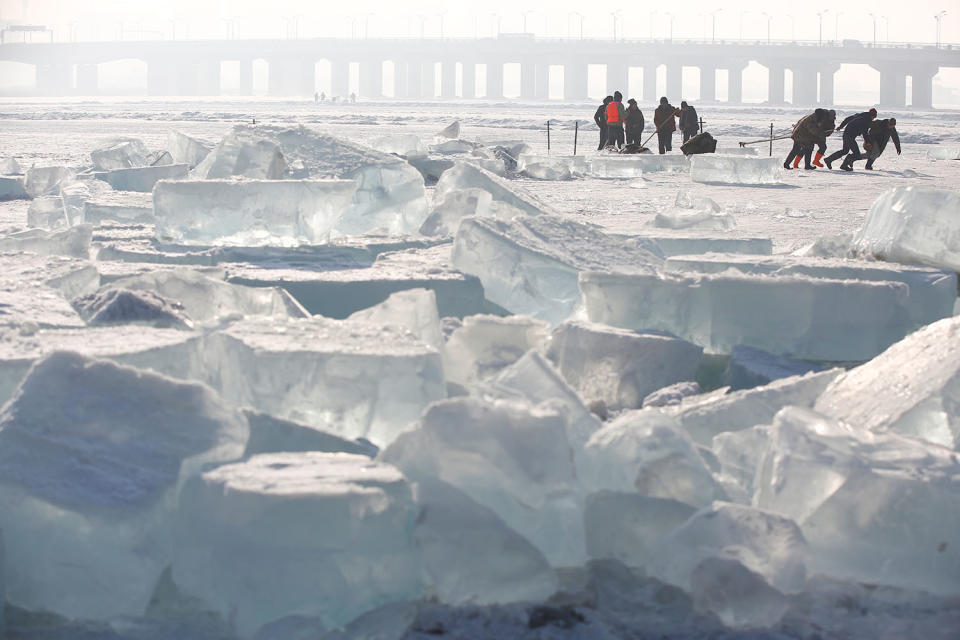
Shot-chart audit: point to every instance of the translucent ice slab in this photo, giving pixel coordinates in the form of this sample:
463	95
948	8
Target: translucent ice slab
735	170
11	188
122	154
186	149
251	212
465	175
143	179
635	165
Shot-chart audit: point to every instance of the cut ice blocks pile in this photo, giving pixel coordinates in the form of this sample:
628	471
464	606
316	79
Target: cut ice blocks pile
497	410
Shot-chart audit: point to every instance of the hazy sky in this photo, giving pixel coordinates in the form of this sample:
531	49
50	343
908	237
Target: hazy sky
101	19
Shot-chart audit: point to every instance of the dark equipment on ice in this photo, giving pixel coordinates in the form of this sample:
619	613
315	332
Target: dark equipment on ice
700	143
634	148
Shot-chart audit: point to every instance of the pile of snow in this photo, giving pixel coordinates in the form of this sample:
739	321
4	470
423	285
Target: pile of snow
913	225
735	170
92	457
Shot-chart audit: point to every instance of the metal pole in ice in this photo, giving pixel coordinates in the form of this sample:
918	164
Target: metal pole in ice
576	130
548	136
771	139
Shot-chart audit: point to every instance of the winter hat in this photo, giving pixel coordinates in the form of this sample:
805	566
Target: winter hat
631	101
683	104
893	122
664	100
873	113
608	100
617	95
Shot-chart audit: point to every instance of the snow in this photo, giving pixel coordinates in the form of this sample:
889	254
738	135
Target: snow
92	457
318	534
250	212
915	225
122	154
619	367
735	170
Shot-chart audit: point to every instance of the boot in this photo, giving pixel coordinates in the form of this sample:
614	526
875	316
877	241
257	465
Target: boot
817	159
808	166
786	165
845	166
796	162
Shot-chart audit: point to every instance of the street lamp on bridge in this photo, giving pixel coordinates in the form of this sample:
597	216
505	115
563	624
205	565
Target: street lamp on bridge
580	16
670	15
713	28
769	20
820	15
836	25
939	18
614	15
874	28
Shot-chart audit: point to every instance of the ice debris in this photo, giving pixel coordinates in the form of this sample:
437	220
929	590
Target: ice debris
143	179
735	170
121	154
188	150
484	344
465	175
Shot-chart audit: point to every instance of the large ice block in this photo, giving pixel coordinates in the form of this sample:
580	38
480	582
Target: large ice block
509	457
735	170
649	452
318	534
445	216
390	194
737	151
11	188
414	310
250	212
530	264
485	344
749	367
932	290
739	597
143	179
795	316
269	434
121	154
207	299
122	306
470	556
944	152
47	212
766	543
912	388
242	154
92	455
619	367
709	414
672	245
338	292
186	149
693	212
350	378
73	242
628	526
119	206
549	167
170	352
10	167
402	144
466	175
913	225
41	181
605	165
34	290
875	508
431	167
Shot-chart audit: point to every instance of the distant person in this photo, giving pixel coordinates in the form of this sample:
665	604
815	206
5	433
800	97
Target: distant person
852	127
323	97
806	133
353	97
615	117
316	97
663	120
633	122
829	125
880	133
600	117
689	122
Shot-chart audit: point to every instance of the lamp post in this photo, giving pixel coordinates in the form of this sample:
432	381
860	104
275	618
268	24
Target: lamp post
874	18
581	16
938	18
614	15
713	26
769	20
670	15
820	15
652	16
495	20
836	25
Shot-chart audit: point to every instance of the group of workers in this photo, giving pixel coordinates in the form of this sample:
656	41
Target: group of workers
812	130
623	126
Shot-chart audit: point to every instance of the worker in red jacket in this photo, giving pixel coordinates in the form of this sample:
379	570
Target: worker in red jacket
616	114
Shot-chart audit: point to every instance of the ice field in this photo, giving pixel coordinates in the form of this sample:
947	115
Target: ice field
285	370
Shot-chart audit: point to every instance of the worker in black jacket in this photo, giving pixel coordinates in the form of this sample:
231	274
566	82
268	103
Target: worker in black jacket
852	127
600	117
880	133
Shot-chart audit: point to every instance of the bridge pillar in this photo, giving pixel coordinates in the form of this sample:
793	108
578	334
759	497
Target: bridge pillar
87	79
448	79
469	80
893	86
245	87
276	80
675	81
54	79
528	80
735	82
495	80
617	80
775	84
340	78
650	83
371	79
414	80
708	84
804	86
400	87
575	81
209	78
923	88
826	84
542	89
428	78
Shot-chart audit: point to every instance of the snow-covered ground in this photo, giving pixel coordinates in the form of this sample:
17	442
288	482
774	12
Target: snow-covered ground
203	468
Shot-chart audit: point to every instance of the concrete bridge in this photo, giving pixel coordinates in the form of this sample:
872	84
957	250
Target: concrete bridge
193	67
